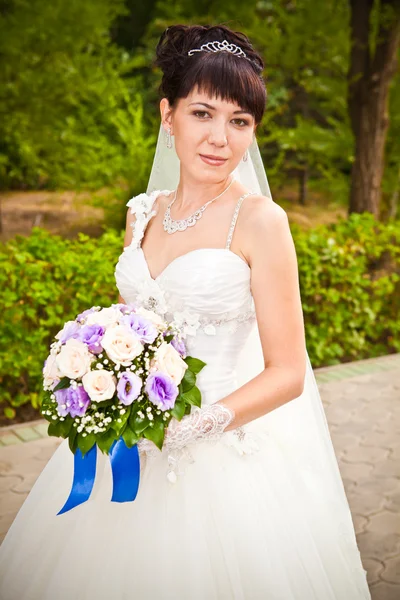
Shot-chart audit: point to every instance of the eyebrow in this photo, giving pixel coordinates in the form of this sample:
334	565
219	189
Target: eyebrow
213	108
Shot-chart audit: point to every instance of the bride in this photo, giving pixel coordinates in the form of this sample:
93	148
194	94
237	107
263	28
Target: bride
245	501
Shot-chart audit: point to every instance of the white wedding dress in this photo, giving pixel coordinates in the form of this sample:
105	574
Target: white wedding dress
248	517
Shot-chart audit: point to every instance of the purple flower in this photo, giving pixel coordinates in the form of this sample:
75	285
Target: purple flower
70	330
91	335
142	327
82	316
124	308
161	390
179	346
128	387
72	400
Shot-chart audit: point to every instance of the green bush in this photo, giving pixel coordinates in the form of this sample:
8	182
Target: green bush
71	113
349	278
44	281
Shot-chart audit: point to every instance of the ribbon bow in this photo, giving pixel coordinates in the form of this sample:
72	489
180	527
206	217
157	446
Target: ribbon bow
125	466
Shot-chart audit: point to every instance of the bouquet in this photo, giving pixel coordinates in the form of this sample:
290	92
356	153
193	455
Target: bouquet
113	376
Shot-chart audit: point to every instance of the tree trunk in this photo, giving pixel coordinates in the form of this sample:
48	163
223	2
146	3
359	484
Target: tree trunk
394	199
303	180
369	79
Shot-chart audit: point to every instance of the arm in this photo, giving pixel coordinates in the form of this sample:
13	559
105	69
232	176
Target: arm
267	244
130	218
269	248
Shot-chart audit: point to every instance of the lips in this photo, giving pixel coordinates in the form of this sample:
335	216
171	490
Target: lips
213	160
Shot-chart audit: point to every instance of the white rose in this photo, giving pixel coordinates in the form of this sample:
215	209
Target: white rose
74	359
99	384
51	372
169	361
121	344
153	317
105	317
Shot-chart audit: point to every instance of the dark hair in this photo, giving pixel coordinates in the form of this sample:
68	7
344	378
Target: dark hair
220	74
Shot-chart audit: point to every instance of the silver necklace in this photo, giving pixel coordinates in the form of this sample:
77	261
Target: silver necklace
171	225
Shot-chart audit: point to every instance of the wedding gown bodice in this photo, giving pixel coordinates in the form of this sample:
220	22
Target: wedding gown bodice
206	291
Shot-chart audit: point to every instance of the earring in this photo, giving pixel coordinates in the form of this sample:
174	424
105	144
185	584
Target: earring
169	141
245	156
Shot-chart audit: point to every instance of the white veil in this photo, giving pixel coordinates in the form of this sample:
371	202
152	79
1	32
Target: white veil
300	426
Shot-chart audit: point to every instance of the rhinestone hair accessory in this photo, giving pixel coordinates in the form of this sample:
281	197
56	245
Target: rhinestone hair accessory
217	46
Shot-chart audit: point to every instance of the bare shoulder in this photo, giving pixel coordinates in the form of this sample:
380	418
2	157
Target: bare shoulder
260	212
264	227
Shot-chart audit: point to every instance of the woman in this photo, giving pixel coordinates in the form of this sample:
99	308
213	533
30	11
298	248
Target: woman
245	501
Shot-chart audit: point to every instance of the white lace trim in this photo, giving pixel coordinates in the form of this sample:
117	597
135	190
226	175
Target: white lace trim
141	206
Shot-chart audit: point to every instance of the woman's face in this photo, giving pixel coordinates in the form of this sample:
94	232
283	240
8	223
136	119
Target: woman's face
204	127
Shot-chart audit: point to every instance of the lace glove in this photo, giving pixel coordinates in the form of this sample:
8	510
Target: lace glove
206	423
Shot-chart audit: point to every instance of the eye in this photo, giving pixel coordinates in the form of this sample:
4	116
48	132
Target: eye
239	122
242	123
200	112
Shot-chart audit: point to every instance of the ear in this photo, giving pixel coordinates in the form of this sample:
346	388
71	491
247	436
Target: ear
166	114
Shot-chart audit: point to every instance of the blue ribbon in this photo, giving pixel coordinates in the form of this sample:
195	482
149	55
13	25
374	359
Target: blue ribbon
125	466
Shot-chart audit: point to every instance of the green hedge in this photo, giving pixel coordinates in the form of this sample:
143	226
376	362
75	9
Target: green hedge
349	278
46	280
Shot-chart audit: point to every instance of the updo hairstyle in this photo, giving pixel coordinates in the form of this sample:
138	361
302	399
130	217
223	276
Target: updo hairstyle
219	74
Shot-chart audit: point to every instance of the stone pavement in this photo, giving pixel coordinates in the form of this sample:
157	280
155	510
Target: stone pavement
362	404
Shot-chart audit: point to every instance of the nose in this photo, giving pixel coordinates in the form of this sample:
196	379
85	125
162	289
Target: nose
217	135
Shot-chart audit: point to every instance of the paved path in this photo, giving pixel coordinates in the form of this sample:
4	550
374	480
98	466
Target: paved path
362	404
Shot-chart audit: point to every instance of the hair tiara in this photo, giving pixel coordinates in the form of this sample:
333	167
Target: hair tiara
224	46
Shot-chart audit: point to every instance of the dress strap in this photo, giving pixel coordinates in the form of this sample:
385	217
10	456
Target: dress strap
234	218
142	207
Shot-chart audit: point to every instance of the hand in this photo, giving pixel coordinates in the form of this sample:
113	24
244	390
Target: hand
207	423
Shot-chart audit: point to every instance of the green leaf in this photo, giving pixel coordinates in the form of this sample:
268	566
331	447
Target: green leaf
188	381
55	428
193	396
130	438
105	440
72	440
119	427
65	427
62	384
138	424
179	409
86	443
194	364
9	412
156	434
